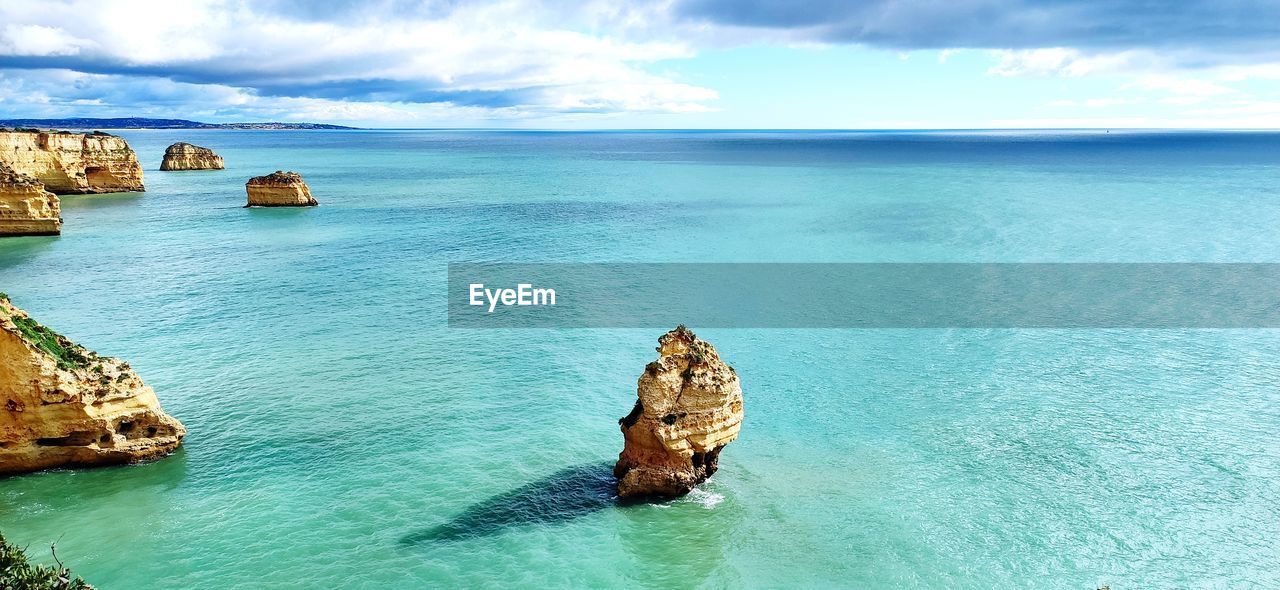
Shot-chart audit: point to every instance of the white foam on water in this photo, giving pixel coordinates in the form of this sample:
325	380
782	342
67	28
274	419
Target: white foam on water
708	499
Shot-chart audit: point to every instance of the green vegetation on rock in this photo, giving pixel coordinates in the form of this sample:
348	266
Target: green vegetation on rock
17	573
68	354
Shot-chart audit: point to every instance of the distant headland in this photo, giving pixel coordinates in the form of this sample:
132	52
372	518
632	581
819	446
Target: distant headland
143	123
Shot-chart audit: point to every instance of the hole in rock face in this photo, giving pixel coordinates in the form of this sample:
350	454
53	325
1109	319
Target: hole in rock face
11	405
151	431
124	427
101	177
104	439
669	419
7	444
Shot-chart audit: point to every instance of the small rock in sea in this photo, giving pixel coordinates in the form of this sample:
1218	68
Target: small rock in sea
279	189
689	408
184	156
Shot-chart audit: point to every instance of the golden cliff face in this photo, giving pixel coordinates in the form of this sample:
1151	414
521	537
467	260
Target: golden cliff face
64	406
26	209
184	156
689	408
73	163
279	189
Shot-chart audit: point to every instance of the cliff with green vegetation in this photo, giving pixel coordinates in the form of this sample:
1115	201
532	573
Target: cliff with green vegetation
62	405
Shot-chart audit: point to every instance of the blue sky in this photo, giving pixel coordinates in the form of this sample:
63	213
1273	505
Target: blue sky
649	63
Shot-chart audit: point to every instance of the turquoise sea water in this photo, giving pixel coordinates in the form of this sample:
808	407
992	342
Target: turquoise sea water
342	436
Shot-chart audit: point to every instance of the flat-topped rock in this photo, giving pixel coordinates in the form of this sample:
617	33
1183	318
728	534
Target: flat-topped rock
72	163
279	189
689	407
26	209
184	156
62	405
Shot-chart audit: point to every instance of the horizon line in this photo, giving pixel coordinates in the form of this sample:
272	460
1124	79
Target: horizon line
231	126
350	127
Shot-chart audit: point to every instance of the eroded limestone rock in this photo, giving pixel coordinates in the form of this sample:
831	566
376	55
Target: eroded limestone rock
689	408
184	156
26	209
279	189
72	163
62	405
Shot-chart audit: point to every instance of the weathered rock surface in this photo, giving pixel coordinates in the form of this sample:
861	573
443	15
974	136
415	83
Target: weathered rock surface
64	406
26	209
184	156
689	408
279	189
73	163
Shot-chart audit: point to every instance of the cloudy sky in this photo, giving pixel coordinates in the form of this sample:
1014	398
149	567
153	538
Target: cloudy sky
649	64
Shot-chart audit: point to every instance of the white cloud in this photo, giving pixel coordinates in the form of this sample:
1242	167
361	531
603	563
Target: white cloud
48	93
1182	100
38	40
498	55
1265	71
1094	103
1239	108
1057	61
394	61
1179	85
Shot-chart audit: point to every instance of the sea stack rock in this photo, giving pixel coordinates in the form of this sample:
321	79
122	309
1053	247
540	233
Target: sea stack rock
26	209
184	156
64	406
279	189
689	408
72	163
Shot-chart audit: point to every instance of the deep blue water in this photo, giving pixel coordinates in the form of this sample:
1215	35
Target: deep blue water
342	436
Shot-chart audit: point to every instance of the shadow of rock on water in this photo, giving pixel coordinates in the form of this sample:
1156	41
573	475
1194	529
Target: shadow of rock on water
19	249
563	496
100	200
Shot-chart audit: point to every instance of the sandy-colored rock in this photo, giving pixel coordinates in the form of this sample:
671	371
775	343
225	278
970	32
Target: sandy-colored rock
689	408
26	209
279	189
184	156
73	163
64	406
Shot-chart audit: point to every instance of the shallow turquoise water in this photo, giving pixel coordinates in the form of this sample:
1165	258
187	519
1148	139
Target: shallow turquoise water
342	436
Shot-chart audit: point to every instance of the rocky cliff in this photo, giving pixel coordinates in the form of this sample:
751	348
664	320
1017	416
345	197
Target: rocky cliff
279	189
64	406
689	408
26	209
73	163
184	156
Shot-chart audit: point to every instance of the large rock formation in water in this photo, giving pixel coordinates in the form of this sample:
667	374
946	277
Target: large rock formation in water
689	408
64	406
184	156
26	209
279	189
72	163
